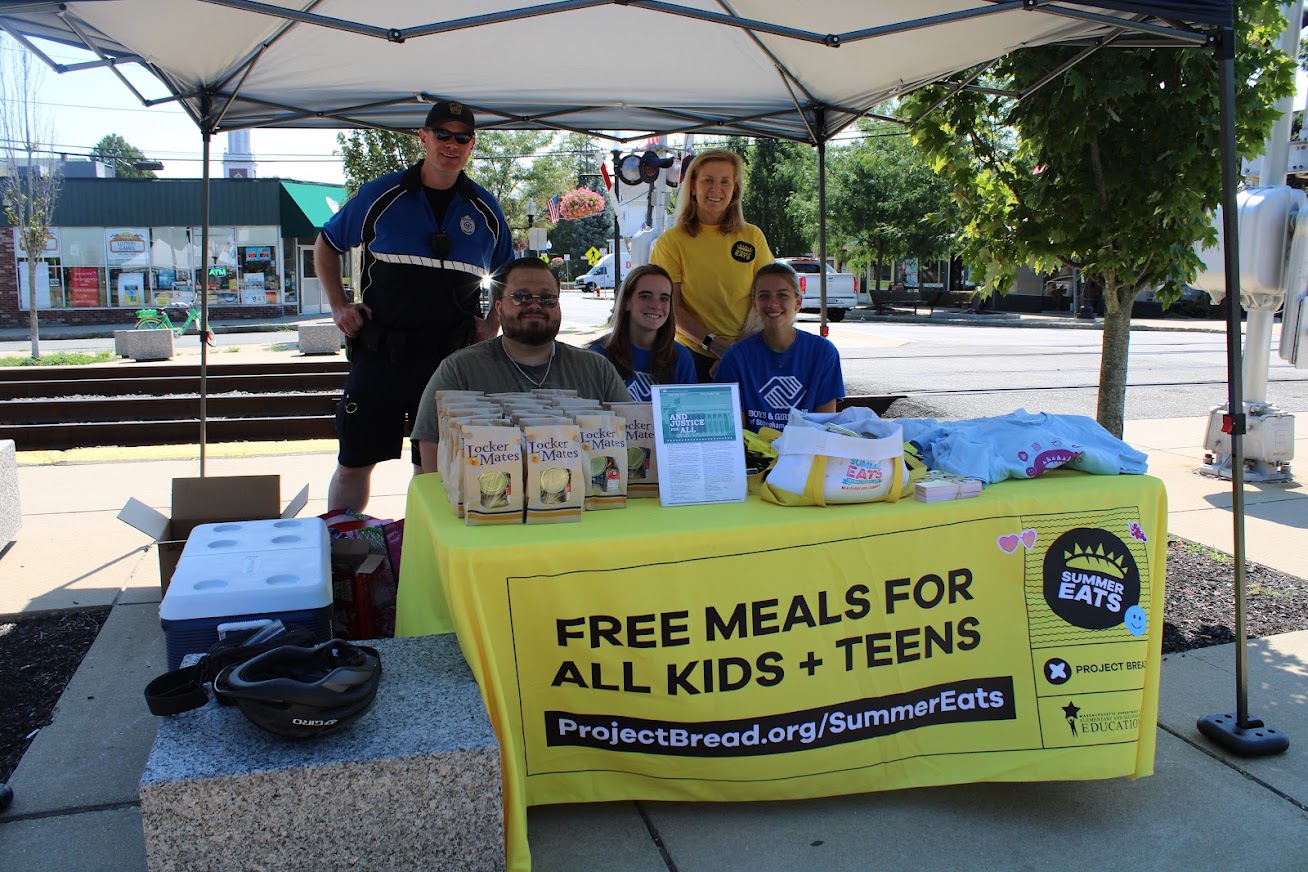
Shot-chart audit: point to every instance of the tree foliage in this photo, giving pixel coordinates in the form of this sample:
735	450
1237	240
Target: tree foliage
367	154
779	176
885	203
115	151
1112	168
31	183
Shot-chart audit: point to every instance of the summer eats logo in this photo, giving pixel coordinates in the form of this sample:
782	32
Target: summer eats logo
1091	580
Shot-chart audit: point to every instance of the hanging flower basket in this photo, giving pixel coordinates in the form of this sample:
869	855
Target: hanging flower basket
581	203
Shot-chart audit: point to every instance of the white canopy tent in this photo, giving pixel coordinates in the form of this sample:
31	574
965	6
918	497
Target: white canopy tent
777	68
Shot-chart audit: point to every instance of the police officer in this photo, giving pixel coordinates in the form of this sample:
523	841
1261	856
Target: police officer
431	239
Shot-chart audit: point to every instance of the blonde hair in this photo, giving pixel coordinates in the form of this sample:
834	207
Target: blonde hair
687	215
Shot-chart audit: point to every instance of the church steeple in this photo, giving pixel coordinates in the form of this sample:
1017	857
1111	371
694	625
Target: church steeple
238	162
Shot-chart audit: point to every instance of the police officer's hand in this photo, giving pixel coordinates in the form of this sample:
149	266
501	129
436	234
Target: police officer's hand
349	317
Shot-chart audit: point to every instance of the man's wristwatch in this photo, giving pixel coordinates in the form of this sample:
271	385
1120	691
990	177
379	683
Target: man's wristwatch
707	344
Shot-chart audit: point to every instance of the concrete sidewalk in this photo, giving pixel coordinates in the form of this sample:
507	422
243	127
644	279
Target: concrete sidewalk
76	802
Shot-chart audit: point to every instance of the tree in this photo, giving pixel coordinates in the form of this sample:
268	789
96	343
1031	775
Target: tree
120	154
885	203
780	192
367	154
1112	168
30	187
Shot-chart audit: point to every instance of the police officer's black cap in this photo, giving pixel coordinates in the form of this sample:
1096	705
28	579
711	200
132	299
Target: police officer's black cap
448	110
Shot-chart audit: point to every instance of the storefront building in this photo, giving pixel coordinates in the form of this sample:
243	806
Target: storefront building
117	245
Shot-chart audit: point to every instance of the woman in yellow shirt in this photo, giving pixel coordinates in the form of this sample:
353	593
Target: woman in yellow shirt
711	253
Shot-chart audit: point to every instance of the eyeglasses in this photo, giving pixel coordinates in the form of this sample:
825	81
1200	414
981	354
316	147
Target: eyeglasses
522	298
446	135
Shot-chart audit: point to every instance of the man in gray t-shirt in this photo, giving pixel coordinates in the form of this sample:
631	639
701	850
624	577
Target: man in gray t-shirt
525	357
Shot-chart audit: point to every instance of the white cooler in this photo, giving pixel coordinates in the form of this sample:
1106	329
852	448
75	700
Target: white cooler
241	571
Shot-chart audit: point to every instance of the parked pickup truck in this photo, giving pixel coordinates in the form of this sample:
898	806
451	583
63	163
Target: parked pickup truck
842	288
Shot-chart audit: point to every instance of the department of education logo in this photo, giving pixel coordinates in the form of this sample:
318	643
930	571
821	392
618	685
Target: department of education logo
467	225
781	391
1090	579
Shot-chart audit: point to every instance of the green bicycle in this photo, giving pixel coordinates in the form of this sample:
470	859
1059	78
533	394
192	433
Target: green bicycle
157	319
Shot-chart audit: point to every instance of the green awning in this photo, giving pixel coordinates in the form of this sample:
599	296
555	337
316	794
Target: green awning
306	207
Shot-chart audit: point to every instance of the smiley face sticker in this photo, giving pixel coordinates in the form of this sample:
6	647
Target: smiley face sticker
1136	621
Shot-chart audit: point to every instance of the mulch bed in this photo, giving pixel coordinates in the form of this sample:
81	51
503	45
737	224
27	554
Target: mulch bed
39	652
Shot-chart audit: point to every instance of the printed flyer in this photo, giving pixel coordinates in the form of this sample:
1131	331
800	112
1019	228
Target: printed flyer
698	444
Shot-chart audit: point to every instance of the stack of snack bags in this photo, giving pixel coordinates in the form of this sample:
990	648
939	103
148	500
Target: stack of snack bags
538	458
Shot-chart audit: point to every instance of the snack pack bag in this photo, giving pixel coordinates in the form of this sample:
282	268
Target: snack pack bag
604	446
642	462
555	480
491	474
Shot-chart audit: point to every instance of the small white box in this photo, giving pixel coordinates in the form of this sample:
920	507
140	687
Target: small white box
241	571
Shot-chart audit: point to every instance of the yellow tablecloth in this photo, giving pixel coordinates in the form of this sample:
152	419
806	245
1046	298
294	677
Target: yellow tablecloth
749	651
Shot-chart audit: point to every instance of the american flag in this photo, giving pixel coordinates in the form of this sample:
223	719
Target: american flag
555	204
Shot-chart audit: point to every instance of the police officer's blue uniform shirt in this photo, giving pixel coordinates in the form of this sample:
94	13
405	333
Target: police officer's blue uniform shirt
804	376
409	279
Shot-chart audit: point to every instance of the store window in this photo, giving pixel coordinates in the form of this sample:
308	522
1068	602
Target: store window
131	267
83	265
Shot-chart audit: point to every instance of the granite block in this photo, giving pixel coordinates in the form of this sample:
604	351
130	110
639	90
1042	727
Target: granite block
11	507
320	339
413	784
144	344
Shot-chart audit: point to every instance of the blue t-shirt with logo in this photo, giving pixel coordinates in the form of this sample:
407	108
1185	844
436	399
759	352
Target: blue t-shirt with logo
683	372
804	376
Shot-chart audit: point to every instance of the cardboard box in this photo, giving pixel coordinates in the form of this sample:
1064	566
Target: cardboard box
209	500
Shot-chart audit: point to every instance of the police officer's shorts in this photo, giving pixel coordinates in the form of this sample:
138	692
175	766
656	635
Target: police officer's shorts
378	408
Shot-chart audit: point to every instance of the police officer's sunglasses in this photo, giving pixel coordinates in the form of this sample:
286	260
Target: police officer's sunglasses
446	135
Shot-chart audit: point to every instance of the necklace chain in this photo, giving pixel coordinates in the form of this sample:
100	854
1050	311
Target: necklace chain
523	372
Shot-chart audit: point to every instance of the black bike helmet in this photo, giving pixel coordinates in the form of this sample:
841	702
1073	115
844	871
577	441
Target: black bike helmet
303	692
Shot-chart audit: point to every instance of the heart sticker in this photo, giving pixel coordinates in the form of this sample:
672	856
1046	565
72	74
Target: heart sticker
1009	542
1029	538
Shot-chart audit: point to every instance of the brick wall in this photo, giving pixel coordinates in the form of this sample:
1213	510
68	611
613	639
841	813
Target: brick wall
9	313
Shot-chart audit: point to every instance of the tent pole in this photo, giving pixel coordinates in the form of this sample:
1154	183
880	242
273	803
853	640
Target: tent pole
1235	731
819	117
205	135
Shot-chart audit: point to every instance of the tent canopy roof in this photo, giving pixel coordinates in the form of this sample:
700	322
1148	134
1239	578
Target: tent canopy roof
774	68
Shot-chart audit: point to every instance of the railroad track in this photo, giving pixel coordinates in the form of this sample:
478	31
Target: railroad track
54	408
62	407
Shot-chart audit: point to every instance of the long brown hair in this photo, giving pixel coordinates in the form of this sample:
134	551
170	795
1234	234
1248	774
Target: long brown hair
617	343
687	214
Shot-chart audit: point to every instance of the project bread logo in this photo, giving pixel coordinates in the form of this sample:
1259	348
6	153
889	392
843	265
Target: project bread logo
1090	579
781	391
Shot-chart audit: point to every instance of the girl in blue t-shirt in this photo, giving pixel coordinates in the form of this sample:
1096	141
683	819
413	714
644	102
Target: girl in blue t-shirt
641	344
779	367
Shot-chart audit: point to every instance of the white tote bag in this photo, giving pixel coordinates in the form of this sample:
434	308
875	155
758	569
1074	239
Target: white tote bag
818	467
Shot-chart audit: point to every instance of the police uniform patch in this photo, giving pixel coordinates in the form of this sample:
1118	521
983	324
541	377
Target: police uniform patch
742	252
456	108
467	226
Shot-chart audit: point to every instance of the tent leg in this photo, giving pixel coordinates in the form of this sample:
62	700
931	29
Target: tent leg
205	136
1236	731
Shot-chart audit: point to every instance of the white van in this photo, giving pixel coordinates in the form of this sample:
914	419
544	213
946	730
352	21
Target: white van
600	277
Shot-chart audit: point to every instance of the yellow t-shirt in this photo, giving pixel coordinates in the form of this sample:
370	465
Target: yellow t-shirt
715	270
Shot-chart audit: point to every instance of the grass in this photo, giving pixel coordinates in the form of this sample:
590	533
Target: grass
62	358
1206	551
